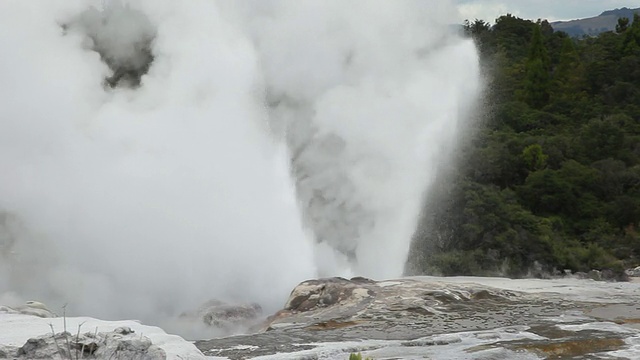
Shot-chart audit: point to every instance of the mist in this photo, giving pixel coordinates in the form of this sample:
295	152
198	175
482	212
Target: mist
370	97
157	154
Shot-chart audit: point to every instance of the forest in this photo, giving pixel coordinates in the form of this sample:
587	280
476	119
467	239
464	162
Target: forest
548	178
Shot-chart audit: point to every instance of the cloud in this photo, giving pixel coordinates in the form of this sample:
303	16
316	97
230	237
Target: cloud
487	11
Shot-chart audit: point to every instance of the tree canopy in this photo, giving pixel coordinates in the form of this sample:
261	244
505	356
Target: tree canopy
551	178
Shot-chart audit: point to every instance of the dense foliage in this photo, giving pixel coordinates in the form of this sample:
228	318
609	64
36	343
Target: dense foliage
550	180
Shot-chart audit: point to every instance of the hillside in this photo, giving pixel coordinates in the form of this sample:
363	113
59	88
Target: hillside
550	179
594	25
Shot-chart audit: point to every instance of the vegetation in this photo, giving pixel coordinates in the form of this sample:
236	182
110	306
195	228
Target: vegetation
551	179
357	356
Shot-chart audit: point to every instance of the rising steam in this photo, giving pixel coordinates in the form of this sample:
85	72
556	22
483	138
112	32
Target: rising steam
157	153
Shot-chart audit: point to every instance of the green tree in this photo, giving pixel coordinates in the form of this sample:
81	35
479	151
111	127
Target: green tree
537	79
631	43
480	31
567	73
476	28
622	25
534	158
601	139
513	33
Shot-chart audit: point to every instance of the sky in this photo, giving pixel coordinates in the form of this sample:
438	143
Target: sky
552	10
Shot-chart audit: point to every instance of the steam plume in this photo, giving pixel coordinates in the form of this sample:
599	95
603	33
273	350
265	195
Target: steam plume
159	153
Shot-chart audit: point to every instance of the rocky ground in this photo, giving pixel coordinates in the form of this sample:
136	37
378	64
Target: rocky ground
446	318
409	318
31	332
122	343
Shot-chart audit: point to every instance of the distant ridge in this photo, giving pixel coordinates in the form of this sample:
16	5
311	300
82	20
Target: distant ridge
595	25
623	12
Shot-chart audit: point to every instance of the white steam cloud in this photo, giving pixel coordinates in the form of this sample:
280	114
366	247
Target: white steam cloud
369	94
167	190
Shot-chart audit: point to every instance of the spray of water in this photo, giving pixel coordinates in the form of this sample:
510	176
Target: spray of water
157	153
369	95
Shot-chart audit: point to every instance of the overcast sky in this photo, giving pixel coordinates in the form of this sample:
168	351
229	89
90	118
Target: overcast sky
552	10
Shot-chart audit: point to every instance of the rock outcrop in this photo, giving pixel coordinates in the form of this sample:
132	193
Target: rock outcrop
226	317
33	337
34	308
338	302
633	272
122	343
338	309
436	318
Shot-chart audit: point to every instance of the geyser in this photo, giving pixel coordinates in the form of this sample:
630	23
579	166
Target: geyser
240	147
369	96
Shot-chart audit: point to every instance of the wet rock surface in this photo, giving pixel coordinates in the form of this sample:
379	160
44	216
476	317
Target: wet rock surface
413	318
